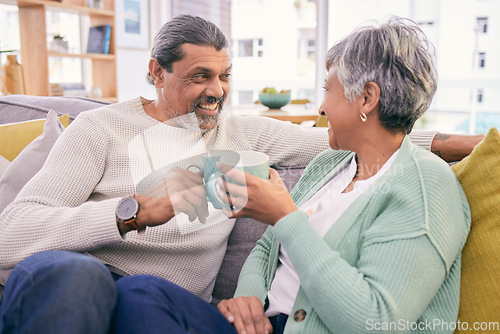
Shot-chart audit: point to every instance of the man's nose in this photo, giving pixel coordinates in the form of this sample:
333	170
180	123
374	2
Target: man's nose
215	88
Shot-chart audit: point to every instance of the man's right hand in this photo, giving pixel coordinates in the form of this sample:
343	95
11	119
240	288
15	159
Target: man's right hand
180	190
246	314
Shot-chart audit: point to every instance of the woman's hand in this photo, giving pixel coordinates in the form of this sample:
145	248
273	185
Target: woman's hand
178	191
265	200
246	314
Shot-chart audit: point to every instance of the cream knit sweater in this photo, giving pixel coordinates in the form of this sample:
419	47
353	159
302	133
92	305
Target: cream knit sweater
103	156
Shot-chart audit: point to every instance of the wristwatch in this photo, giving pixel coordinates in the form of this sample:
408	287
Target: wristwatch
126	213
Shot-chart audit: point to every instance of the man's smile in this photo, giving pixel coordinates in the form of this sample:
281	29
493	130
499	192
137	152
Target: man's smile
209	109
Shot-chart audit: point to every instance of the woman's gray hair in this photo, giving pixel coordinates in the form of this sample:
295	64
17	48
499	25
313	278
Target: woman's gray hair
396	56
182	29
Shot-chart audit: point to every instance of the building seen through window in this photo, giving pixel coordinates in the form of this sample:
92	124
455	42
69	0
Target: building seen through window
275	43
482	59
482	24
9	32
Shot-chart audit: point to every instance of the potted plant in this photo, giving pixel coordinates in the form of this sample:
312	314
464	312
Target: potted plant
59	44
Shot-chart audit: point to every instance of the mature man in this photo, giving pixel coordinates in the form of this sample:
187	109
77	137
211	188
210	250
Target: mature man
67	233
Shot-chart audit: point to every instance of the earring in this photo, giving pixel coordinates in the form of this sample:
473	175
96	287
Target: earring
363	117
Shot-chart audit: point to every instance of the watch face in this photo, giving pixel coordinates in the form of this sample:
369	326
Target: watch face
127	208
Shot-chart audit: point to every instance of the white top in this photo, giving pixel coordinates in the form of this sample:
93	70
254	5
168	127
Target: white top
323	209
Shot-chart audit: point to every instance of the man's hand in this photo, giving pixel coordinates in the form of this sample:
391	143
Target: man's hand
246	314
178	191
454	147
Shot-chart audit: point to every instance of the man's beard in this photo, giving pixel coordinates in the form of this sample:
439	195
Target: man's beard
193	120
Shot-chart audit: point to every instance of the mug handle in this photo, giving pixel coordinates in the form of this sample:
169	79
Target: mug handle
195	166
211	187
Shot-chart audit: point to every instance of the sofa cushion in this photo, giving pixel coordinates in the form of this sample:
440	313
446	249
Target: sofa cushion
32	157
4	163
479	174
241	241
19	108
16	136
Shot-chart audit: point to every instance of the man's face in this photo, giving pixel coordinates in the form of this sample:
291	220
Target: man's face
198	85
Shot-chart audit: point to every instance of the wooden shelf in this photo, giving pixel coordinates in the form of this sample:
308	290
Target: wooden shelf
62	6
99	56
109	99
35	54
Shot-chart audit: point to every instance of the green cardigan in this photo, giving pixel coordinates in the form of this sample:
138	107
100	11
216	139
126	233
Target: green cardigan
391	262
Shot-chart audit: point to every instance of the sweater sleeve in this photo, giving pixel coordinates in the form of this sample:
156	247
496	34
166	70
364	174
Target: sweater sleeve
53	210
253	279
422	138
286	144
386	284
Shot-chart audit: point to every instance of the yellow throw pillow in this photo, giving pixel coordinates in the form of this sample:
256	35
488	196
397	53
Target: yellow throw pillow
479	174
15	136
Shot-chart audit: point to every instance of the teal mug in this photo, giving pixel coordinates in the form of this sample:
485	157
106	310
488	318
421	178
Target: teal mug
208	161
251	162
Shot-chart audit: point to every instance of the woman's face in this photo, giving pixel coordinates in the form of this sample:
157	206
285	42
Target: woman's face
343	116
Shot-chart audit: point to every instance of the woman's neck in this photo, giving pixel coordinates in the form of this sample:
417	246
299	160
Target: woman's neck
374	153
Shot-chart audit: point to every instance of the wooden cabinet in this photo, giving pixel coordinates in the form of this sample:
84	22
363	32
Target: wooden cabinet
35	53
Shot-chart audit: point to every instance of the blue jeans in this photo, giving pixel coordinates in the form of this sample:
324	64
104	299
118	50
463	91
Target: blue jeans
279	322
65	292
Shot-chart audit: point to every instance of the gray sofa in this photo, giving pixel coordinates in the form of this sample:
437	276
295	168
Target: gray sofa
16	108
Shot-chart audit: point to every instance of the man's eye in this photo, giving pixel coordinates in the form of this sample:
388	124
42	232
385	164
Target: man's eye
225	76
200	76
324	88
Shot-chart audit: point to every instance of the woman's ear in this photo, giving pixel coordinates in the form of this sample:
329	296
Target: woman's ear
156	72
371	97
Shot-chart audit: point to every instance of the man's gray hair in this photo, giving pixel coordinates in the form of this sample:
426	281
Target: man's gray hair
182	29
397	56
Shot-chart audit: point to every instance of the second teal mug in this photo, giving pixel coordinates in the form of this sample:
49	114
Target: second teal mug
251	162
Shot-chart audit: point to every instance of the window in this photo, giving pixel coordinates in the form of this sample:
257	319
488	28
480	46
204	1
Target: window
273	50
482	59
245	97
249	47
479	96
65	70
9	31
482	24
311	48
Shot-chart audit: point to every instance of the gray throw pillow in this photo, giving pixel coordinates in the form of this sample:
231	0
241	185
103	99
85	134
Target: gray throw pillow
29	161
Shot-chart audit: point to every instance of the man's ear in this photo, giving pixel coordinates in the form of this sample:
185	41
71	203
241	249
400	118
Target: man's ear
371	97
156	72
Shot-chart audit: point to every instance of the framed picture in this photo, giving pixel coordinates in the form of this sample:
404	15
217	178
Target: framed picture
132	24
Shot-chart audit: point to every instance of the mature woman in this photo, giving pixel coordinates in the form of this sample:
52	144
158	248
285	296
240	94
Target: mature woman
370	238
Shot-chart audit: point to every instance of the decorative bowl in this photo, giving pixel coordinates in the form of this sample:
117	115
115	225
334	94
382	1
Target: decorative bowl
274	101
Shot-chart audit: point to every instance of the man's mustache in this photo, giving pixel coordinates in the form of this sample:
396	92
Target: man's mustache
209	100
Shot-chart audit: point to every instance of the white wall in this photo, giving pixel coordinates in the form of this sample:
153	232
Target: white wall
132	64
